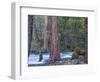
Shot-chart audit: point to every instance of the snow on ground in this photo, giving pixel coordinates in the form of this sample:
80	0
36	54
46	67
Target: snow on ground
34	59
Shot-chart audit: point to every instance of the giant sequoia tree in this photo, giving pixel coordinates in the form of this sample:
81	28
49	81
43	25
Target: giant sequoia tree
54	54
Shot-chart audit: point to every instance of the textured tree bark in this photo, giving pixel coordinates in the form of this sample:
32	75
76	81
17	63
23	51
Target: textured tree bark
54	55
45	33
30	30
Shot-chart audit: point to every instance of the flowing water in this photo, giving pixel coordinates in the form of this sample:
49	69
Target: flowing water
34	58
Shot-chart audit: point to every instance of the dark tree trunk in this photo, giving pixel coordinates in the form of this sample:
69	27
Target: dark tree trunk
54	54
86	39
30	30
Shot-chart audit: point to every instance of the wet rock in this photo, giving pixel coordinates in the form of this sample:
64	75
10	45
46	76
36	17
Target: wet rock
75	61
81	59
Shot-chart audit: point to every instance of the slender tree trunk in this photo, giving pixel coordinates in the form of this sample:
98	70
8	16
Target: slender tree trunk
35	28
54	54
30	30
45	33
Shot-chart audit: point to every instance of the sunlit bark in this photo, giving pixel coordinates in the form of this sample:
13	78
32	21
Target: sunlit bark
45	33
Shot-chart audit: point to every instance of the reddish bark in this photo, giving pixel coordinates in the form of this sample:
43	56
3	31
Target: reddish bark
55	55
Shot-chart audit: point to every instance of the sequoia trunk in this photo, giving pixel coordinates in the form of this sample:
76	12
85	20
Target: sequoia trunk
55	55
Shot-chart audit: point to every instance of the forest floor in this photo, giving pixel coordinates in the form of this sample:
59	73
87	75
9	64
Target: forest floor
68	62
61	62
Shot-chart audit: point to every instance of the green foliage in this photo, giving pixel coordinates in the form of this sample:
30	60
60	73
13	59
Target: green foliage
71	32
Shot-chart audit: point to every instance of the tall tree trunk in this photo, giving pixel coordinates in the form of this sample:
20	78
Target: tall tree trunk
54	54
30	30
45	33
35	28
